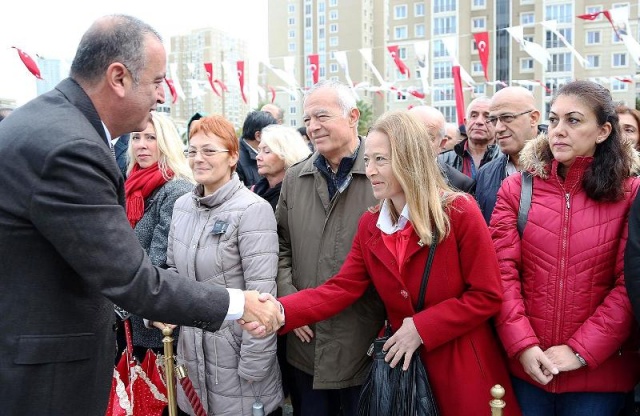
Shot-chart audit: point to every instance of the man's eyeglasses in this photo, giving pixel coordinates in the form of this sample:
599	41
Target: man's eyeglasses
505	118
191	153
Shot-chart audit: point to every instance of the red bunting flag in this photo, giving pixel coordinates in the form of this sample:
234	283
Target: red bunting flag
482	42
172	90
457	86
273	94
240	68
221	84
314	64
208	67
29	62
589	16
402	67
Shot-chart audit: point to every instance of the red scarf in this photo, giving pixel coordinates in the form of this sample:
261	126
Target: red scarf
139	185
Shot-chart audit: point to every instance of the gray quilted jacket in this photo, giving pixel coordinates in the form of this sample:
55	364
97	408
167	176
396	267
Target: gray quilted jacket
152	231
228	239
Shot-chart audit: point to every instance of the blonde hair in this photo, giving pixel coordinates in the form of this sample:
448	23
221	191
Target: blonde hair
414	165
285	142
170	147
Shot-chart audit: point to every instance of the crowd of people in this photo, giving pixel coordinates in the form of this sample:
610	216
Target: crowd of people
278	256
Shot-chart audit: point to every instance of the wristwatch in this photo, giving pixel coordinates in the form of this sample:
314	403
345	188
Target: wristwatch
583	363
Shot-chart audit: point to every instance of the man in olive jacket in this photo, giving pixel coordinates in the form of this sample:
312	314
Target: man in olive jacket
67	251
320	205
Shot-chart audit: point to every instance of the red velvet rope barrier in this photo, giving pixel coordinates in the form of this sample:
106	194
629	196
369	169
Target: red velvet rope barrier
191	394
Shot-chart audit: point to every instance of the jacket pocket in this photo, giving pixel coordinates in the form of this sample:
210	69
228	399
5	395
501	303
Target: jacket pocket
42	349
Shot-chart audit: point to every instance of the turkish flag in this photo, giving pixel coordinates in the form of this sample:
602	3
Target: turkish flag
29	62
172	89
482	42
589	16
457	86
402	67
273	93
208	67
314	64
240	68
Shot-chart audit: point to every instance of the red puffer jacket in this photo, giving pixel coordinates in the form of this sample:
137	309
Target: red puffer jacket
563	281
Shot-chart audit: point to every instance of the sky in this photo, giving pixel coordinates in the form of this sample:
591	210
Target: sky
52	29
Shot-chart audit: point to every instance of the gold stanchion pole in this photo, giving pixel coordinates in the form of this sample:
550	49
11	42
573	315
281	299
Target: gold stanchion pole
168	370
497	404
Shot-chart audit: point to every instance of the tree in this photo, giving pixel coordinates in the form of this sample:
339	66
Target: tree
366	117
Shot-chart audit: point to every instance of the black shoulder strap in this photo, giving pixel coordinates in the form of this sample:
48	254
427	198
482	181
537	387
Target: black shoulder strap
427	270
525	200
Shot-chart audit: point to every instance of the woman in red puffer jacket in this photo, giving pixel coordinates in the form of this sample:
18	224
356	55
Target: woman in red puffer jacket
566	319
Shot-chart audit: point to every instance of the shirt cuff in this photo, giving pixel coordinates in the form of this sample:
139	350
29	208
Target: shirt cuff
236	304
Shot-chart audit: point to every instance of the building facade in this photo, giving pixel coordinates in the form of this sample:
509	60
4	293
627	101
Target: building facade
188	55
298	28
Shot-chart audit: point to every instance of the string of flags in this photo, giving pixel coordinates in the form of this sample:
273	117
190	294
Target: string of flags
617	17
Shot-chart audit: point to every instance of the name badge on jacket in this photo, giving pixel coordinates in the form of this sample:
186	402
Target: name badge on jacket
219	227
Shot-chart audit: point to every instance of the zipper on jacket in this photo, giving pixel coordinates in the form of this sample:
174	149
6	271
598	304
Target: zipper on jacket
564	233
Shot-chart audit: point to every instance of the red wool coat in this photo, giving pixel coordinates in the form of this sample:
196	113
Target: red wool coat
461	353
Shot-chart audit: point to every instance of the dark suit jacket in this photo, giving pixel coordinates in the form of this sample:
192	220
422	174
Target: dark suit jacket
67	253
120	149
457	179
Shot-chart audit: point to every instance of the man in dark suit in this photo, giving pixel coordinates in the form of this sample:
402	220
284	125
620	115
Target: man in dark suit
120	149
67	251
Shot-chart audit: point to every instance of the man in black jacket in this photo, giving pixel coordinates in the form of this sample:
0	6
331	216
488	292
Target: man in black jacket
435	122
515	118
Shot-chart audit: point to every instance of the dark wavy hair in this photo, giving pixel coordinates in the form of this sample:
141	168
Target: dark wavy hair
603	180
255	122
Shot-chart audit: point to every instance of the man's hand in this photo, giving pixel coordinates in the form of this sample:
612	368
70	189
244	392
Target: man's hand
537	365
262	314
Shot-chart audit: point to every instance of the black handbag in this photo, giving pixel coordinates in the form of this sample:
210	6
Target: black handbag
393	391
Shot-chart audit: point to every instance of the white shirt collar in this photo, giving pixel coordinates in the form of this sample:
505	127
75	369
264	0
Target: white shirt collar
106	131
384	219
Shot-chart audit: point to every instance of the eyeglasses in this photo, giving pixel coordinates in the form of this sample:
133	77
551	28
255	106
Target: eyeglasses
505	118
191	153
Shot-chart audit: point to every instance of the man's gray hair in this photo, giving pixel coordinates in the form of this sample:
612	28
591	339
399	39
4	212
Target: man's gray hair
346	99
115	38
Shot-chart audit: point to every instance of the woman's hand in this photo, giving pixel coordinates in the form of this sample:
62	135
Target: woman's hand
563	357
537	365
402	344
304	333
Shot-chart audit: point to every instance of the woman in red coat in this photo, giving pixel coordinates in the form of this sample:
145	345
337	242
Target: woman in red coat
452	332
566	318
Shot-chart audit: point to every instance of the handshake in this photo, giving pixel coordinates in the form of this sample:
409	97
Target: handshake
263	314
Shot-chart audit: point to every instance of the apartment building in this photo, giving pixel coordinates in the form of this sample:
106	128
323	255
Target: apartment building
298	28
188	55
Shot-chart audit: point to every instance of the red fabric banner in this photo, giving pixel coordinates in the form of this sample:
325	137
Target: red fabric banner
29	62
314	66
589	16
402	67
482	42
172	90
273	94
457	86
208	67
240	68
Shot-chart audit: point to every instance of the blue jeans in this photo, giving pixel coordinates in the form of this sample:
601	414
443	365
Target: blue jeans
343	402
536	402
